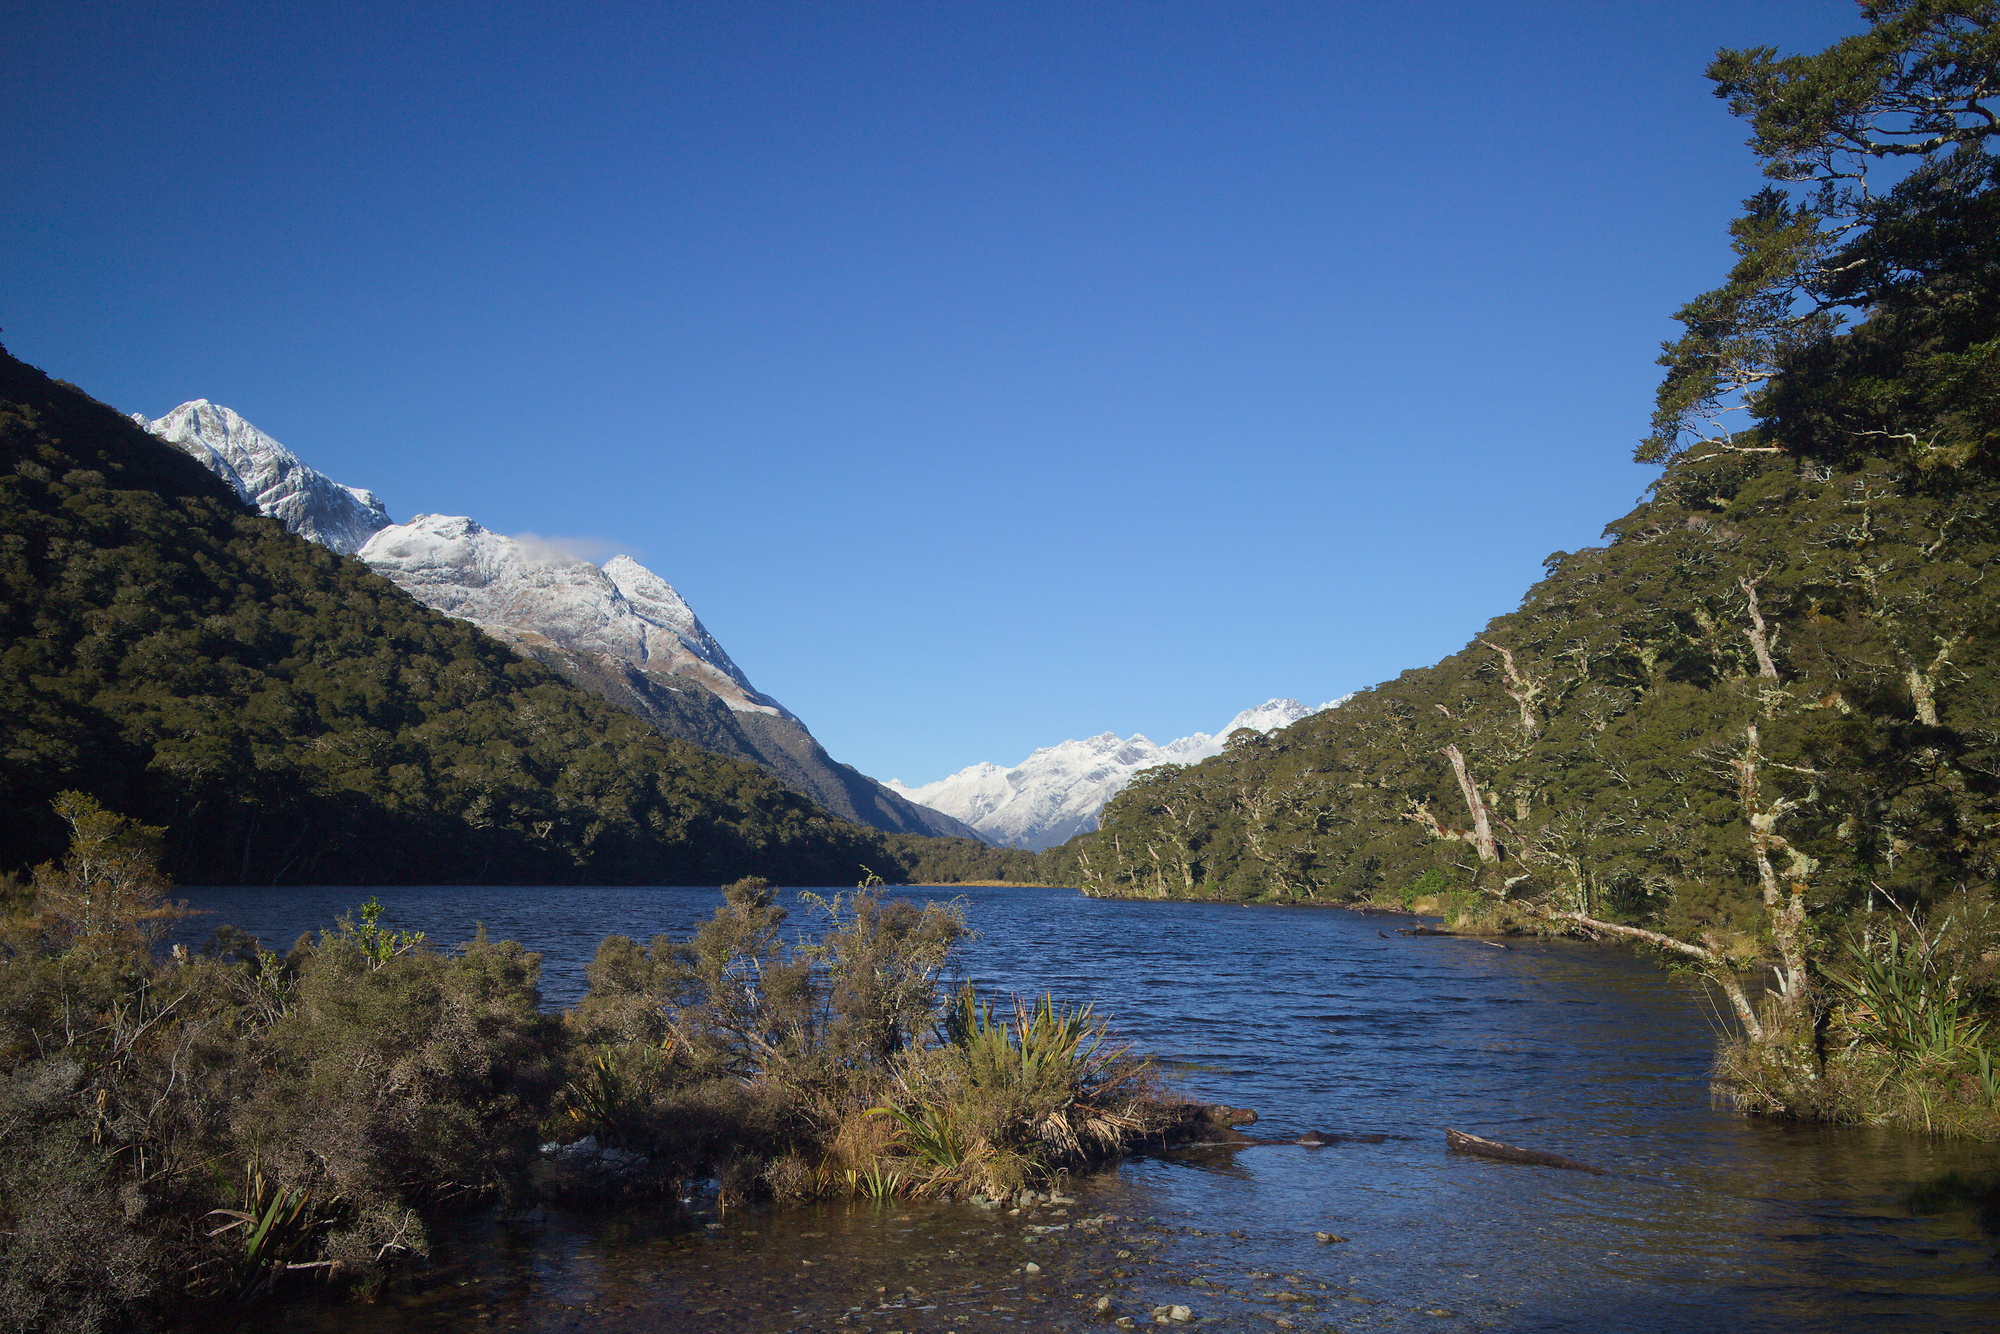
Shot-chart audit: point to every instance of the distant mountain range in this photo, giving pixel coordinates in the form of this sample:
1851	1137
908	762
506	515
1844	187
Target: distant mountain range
1057	792
618	630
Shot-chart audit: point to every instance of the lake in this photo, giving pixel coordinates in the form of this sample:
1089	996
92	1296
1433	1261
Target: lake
1321	1020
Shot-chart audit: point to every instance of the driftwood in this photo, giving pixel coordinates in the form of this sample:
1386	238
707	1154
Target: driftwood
1228	1137
1433	931
1200	1123
1457	1141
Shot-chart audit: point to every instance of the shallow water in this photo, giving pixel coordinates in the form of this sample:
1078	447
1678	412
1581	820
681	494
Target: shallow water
1321	1020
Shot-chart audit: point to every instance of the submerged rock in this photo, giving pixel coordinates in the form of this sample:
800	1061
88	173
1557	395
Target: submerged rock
587	1155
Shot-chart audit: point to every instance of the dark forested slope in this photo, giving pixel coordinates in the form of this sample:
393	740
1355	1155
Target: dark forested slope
289	715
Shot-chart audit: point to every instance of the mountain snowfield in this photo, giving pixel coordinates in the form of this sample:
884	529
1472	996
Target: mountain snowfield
1057	792
502	584
271	477
505	586
618	629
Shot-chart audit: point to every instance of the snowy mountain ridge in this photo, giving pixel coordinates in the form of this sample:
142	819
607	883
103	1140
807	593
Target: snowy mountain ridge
1057	792
503	585
270	477
450	563
618	630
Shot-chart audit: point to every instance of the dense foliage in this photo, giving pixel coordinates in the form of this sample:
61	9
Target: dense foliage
1762	724
288	715
965	861
1604	725
200	1127
188	1131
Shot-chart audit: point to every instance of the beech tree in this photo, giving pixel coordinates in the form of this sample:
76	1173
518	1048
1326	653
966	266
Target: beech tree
1884	206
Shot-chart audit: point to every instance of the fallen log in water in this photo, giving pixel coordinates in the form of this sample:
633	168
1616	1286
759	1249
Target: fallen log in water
1457	1141
1433	931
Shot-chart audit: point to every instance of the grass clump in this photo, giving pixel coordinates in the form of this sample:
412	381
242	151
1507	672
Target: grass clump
999	1103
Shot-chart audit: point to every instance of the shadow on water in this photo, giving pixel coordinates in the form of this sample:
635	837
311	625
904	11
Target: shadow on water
1321	1022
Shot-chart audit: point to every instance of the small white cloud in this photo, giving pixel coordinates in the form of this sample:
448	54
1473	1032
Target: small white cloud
597	550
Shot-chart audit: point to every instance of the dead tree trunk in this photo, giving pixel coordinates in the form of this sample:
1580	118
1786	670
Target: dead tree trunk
1923	683
1761	637
1482	820
1457	1141
1715	965
1523	689
1088	874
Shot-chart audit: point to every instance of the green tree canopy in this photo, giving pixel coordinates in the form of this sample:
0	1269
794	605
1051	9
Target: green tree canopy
1884	209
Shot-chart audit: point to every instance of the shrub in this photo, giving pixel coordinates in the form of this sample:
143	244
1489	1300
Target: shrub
830	1061
200	1127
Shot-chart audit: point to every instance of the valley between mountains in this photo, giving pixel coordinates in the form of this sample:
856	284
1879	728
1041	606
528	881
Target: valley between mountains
619	630
537	971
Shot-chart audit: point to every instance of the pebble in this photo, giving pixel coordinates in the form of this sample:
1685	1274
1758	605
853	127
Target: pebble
1031	1268
1327	1238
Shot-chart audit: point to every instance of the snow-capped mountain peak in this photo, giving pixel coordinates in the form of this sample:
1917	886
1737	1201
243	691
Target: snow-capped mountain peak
509	587
619	631
270	477
1057	792
621	610
656	602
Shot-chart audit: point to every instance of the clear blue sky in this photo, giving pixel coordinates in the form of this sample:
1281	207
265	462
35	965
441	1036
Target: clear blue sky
983	373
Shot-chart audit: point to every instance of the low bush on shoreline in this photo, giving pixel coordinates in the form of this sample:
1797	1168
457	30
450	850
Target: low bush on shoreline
1899	1027
831	1064
201	1127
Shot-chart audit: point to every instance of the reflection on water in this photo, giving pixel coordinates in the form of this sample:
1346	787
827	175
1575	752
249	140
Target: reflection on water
1322	1020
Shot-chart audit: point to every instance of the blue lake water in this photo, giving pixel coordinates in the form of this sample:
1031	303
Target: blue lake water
1321	1020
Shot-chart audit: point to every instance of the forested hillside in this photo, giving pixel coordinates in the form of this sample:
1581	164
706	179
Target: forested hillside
1598	739
290	716
1772	700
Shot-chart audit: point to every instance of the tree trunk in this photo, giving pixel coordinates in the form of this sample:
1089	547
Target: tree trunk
1716	968
1758	635
1922	683
1482	822
1921	696
1784	901
1523	689
1457	1141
